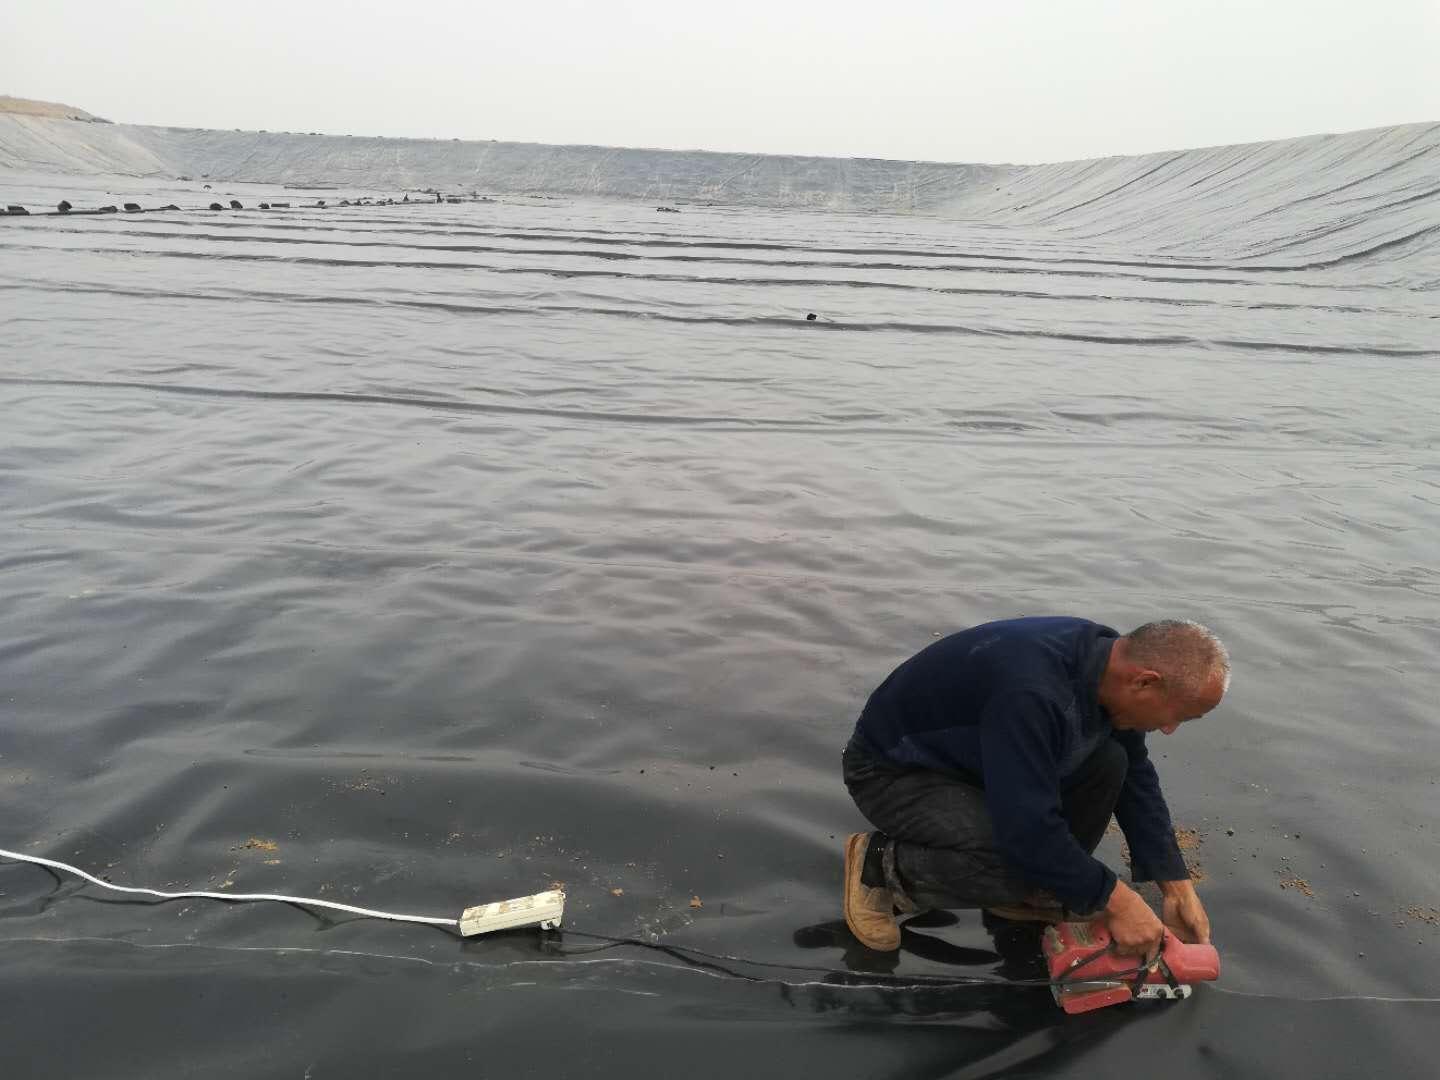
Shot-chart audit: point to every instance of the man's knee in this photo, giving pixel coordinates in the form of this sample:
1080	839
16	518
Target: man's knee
1114	763
1103	771
1092	792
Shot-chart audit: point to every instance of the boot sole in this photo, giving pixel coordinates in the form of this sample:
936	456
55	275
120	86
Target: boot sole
854	865
1027	914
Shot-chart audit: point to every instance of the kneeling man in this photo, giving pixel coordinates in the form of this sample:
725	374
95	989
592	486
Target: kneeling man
990	764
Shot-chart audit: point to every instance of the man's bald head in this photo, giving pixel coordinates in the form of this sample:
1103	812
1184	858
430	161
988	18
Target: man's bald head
1189	657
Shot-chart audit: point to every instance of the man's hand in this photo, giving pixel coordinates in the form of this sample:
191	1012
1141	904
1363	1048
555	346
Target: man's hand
1134	928
1184	914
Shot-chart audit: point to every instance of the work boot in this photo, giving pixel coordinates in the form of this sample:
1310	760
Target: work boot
1028	913
1042	907
869	910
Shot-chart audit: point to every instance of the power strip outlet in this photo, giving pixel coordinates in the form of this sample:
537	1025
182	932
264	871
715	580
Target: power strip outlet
544	910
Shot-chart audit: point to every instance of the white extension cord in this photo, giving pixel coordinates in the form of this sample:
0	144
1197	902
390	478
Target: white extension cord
543	909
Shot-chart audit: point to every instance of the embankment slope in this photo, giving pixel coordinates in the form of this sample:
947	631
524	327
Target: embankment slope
1297	201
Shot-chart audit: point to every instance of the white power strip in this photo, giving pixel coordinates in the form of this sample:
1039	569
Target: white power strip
544	909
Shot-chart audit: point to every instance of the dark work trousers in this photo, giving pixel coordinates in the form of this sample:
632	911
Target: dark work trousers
941	850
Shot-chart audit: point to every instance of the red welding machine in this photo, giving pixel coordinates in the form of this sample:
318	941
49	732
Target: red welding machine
1087	973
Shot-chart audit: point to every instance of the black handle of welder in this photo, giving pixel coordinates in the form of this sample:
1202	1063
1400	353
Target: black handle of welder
1150	965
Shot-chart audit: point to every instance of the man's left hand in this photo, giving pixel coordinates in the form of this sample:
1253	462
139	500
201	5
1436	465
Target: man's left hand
1183	914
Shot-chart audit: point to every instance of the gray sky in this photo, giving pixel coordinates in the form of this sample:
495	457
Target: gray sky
948	80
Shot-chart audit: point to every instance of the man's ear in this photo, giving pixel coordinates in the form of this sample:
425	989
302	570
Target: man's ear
1147	679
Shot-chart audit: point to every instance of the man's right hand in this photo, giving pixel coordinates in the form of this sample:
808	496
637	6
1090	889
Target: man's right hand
1134	927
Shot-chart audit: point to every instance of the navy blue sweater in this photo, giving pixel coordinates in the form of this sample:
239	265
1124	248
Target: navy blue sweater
1013	704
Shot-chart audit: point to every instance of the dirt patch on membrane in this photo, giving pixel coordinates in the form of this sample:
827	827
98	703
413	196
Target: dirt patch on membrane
1187	839
1299	884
